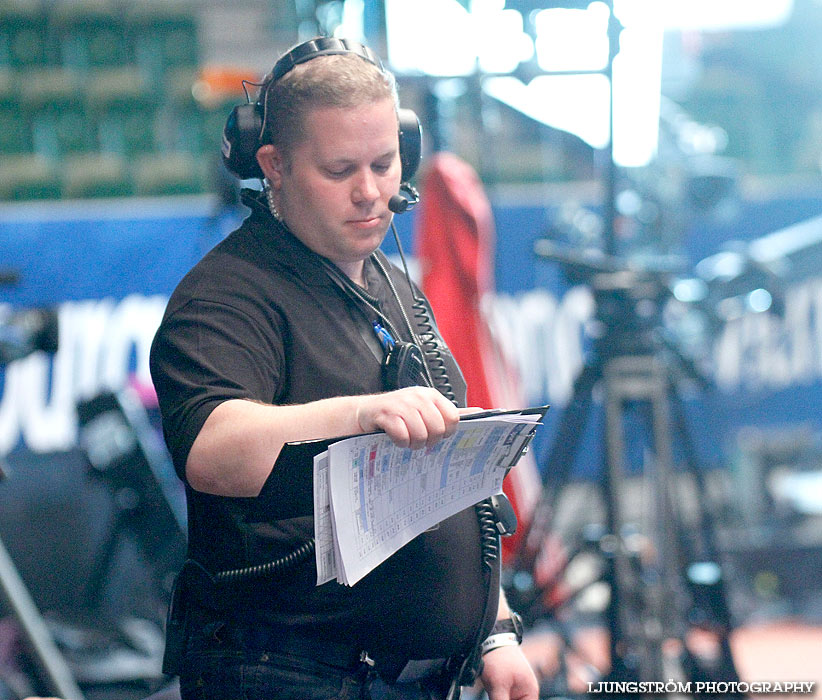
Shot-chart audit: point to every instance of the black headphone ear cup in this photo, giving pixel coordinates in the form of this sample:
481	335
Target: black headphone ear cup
410	143
241	139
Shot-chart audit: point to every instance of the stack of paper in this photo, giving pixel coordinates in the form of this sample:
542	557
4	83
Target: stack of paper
372	497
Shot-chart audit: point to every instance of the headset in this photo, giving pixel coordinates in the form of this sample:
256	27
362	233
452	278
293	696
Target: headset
243	131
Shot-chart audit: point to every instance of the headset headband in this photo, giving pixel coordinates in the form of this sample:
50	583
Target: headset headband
321	46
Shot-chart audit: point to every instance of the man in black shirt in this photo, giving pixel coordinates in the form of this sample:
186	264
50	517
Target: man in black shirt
270	339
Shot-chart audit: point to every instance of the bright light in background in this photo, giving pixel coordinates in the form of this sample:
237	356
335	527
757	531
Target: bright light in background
351	26
637	76
503	43
443	38
572	103
572	39
430	37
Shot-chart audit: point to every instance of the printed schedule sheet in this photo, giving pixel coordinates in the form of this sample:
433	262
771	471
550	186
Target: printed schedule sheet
372	497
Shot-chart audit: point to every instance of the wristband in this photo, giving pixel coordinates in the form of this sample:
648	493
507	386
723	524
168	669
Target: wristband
510	624
503	639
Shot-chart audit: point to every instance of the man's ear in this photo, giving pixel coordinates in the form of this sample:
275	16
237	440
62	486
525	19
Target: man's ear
272	163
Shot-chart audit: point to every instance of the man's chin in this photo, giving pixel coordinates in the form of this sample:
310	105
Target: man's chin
372	238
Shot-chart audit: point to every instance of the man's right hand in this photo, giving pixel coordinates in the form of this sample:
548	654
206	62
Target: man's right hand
413	417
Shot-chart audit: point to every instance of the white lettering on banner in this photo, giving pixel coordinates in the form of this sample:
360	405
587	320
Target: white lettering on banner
542	337
102	343
770	351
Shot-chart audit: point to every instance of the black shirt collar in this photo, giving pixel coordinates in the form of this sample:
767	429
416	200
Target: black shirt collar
273	235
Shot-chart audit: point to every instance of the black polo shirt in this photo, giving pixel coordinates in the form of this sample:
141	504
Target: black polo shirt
260	318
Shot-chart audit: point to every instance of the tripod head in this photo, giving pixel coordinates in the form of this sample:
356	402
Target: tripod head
630	298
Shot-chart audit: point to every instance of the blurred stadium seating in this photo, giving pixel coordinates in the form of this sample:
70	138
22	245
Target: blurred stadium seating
97	99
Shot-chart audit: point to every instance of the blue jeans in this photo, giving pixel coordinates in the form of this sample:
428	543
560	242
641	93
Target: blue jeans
226	667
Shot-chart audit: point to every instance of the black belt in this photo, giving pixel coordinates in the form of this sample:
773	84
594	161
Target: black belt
263	638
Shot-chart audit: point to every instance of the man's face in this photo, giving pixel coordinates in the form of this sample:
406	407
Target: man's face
332	188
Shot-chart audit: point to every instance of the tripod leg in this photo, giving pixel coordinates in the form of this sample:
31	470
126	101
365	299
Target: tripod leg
714	590
705	520
57	674
645	569
669	539
611	544
560	459
557	466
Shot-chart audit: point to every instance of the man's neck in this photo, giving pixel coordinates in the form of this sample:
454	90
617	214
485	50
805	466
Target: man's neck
355	271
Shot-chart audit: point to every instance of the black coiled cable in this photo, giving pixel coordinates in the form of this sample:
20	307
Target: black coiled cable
489	534
430	348
301	553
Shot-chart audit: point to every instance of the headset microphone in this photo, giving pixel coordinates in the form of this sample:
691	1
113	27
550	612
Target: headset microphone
404	201
398	204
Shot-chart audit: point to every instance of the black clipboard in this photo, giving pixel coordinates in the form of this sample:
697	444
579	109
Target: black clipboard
539	410
293	470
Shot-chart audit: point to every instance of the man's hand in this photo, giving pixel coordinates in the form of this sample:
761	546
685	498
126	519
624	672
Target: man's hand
506	675
414	417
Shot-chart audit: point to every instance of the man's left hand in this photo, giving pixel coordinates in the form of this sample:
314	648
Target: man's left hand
507	675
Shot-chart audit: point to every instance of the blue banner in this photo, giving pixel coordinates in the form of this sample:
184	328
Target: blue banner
108	268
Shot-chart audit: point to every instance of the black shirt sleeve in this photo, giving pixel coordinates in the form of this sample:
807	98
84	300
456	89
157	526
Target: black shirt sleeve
205	353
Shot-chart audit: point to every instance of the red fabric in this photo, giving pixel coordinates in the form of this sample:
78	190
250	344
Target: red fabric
455	239
455	236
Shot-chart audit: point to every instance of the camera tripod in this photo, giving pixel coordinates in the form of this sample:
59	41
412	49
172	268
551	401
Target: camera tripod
663	580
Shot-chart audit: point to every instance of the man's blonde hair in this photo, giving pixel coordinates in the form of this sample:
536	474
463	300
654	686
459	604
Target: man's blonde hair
338	80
